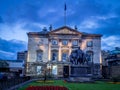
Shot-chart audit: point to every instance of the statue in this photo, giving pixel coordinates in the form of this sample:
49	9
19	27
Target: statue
78	57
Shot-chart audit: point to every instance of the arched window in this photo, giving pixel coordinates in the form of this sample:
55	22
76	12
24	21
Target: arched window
54	55
39	55
89	56
65	55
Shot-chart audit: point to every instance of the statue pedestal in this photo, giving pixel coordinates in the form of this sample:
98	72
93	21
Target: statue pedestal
80	71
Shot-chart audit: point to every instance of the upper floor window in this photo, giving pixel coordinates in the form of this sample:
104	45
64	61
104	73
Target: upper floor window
39	55
64	42
75	42
64	56
89	43
54	42
54	55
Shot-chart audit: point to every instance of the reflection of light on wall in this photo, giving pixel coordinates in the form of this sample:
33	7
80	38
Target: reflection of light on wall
28	57
100	58
83	46
84	43
41	48
49	53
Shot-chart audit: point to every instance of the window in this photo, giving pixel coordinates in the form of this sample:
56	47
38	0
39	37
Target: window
54	42
89	56
64	56
64	42
54	55
39	55
89	44
38	70
75	42
54	70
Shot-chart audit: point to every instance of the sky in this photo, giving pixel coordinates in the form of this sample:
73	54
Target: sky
18	17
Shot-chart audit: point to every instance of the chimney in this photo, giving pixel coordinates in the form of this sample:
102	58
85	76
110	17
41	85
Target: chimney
75	27
44	29
50	28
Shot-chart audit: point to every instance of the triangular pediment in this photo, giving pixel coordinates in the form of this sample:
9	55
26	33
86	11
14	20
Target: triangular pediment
65	30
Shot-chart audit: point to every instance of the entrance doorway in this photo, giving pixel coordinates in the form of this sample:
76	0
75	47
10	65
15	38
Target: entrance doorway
66	71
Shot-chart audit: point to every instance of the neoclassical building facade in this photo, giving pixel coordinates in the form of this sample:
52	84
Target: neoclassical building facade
53	48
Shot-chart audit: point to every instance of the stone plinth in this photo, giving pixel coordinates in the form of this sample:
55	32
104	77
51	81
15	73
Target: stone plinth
78	71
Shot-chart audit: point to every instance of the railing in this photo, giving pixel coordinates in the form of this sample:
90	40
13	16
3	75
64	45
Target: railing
8	83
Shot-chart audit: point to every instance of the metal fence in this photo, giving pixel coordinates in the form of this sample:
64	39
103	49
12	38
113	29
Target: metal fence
5	84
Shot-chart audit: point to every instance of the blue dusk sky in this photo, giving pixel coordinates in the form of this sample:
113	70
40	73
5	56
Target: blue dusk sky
17	17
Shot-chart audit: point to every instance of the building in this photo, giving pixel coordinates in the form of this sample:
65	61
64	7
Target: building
22	55
112	67
104	55
16	67
12	67
54	47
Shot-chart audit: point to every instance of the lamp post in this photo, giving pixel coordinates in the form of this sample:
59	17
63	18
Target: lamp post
49	68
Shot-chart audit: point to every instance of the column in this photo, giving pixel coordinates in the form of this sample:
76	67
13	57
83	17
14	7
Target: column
59	52
49	51
70	47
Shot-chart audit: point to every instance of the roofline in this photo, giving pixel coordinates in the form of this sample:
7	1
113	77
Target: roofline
93	35
64	27
33	33
50	32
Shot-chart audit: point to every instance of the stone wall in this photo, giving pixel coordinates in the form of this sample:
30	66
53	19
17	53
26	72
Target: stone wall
35	44
96	48
115	71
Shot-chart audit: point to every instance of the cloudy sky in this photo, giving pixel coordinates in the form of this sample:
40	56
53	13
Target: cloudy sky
17	17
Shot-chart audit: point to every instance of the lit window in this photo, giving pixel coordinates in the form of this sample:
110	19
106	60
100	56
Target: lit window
54	70
64	56
65	42
75	42
89	44
38	70
54	42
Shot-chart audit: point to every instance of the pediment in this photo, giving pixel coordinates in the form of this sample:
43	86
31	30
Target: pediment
64	30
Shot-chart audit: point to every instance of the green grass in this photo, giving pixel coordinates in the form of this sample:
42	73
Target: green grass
77	86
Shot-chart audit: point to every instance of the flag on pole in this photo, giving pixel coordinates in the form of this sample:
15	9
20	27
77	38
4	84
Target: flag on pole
65	8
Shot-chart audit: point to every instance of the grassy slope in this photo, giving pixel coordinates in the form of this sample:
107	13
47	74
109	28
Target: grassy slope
78	86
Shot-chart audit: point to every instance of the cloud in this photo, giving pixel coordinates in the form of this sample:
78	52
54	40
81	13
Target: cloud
7	55
9	48
110	42
13	31
19	30
89	24
91	16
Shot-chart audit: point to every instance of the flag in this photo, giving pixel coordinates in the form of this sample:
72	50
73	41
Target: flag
65	8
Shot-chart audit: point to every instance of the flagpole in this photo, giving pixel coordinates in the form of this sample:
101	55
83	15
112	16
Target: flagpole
65	14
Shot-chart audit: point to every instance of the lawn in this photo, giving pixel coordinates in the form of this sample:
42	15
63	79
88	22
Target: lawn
76	86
